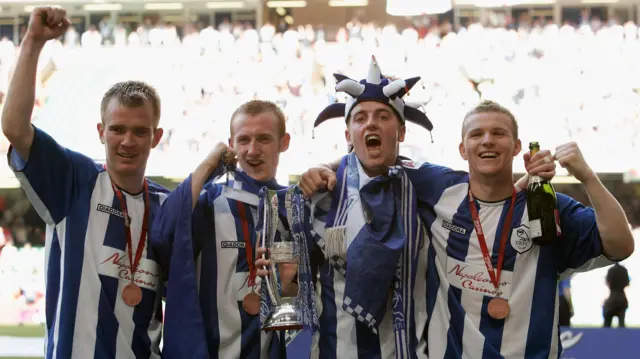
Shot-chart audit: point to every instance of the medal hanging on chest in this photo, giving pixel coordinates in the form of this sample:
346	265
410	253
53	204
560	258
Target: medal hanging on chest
498	308
132	293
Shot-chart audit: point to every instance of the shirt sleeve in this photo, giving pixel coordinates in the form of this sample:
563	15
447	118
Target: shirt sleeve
430	181
53	177
580	245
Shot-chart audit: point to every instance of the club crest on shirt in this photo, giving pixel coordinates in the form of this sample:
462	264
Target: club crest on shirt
521	239
410	164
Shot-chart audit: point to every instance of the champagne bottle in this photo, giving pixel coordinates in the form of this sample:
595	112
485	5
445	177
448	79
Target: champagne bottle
544	219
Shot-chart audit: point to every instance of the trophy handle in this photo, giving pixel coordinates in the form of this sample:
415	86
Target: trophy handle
267	242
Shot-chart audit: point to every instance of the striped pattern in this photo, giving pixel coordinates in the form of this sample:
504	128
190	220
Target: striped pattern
86	261
458	285
341	334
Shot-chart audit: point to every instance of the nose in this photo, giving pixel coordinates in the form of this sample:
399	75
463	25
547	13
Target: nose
128	139
253	148
371	122
487	139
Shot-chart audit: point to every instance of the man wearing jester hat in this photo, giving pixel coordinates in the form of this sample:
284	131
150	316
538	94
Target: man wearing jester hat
444	302
365	237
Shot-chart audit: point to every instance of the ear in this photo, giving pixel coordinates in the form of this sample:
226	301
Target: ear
230	142
463	151
402	131
284	142
157	136
518	148
100	128
347	136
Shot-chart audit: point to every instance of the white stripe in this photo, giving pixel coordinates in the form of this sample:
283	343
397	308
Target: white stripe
229	322
36	202
346	341
419	293
61	231
516	327
84	337
439	324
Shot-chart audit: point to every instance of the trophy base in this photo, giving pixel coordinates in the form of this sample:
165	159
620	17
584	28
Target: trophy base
283	317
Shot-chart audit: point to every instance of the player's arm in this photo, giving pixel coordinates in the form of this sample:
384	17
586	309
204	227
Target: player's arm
45	24
210	166
608	222
51	175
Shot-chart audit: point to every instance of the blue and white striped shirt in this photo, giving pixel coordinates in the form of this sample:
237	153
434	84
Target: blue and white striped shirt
87	265
341	335
458	284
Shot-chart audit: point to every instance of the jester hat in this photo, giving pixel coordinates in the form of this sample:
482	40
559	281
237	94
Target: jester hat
379	89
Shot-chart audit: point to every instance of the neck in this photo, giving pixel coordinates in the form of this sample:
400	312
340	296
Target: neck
131	184
491	189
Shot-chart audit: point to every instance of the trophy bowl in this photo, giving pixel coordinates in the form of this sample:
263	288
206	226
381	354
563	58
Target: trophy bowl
283	313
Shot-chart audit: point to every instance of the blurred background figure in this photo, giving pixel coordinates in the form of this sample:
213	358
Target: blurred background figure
616	305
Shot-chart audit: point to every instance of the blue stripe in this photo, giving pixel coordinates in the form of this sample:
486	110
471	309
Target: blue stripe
52	290
458	248
328	320
107	326
368	342
115	236
208	292
76	229
250	338
491	329
142	315
543	305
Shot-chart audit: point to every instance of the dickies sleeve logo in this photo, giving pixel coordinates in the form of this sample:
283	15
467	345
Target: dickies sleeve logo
520	239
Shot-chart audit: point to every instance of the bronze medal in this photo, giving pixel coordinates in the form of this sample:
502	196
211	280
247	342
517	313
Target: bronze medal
251	303
132	295
498	308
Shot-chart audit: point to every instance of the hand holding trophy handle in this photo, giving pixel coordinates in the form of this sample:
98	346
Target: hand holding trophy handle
283	315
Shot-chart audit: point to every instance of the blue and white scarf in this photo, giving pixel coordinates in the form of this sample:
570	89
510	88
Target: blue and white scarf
383	252
291	208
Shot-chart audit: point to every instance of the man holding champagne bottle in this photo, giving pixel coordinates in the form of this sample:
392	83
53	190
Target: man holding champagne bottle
490	289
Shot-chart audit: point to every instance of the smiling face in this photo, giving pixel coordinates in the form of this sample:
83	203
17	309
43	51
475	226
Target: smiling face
129	133
375	131
489	143
258	140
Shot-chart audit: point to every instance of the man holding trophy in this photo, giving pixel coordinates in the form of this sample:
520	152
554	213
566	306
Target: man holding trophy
213	303
479	251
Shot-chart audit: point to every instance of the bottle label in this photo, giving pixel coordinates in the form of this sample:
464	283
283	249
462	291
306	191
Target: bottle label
535	228
556	214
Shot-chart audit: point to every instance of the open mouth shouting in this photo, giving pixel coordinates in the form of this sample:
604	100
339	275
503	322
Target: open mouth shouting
373	143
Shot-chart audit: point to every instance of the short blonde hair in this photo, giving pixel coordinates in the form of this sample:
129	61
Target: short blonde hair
488	106
131	94
256	107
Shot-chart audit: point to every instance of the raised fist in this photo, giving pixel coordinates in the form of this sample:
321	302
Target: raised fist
47	23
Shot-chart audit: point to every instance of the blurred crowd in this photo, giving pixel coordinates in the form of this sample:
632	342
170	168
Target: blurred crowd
563	82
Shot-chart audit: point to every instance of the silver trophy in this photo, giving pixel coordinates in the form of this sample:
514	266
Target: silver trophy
283	313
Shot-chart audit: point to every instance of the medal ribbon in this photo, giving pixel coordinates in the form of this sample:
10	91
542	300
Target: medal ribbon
248	246
134	263
495	276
